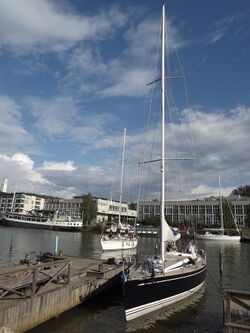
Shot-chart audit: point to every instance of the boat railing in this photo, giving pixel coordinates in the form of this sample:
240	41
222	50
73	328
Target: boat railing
24	217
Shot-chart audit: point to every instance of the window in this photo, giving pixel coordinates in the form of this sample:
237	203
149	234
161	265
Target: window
175	209
208	209
202	210
168	210
195	209
182	209
216	210
238	210
188	209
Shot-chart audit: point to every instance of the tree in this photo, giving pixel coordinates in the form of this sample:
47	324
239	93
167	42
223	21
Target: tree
89	208
151	221
248	216
228	218
132	205
244	191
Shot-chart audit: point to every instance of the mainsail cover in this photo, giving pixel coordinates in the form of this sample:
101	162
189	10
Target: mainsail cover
168	233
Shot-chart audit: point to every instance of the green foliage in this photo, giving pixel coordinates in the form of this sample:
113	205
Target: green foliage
132	205
248	217
227	216
152	220
97	228
201	225
89	208
242	190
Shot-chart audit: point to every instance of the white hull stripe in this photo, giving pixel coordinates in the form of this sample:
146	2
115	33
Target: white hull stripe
119	244
218	238
174	279
45	223
150	307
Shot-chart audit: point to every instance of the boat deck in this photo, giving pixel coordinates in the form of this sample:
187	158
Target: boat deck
184	264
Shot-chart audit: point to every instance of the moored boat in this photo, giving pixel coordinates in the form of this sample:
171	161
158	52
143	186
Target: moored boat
120	236
215	236
171	276
219	234
54	222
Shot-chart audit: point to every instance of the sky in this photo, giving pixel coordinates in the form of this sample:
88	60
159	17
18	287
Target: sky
73	74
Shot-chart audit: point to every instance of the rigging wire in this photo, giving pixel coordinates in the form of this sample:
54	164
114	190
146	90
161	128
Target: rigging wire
146	138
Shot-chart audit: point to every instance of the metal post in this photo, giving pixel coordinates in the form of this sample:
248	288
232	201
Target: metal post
221	262
56	246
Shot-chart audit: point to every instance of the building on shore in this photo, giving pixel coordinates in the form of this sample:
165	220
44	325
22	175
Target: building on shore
24	203
20	202
4	187
107	210
203	211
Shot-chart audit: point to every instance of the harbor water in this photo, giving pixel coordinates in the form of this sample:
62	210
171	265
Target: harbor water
202	312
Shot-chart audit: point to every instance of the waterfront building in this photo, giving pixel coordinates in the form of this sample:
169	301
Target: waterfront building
4	185
20	202
107	210
202	211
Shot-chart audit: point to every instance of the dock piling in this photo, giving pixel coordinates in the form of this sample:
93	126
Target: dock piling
221	262
56	245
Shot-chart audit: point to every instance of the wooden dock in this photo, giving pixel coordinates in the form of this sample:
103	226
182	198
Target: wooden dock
31	295
237	315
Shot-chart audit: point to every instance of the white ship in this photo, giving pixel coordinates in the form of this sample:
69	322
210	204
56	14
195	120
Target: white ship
54	222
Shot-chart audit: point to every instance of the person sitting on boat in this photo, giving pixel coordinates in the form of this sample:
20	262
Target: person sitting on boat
171	247
191	249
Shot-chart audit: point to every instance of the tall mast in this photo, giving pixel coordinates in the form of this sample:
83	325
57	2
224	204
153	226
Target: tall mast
122	171
163	134
221	208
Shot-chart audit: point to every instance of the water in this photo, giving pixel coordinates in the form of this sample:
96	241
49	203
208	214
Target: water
201	313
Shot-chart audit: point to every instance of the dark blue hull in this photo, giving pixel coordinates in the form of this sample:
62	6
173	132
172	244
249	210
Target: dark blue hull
147	295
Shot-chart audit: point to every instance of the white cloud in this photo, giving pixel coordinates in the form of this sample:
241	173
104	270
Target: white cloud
222	27
222	148
53	117
19	169
26	25
126	74
59	166
13	134
131	83
62	119
203	191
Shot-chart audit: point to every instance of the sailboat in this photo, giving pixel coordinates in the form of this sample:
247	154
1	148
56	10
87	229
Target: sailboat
219	234
123	237
172	276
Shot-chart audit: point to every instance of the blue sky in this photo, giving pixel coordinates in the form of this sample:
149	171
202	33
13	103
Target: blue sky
74	73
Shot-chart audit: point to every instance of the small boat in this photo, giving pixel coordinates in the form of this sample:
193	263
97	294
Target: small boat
119	237
161	280
54	222
219	234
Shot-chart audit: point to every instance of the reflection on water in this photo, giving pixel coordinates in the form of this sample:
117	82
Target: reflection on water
128	254
203	313
163	314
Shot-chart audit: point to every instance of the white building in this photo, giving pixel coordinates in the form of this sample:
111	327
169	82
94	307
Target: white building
4	185
20	202
107	210
204	211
